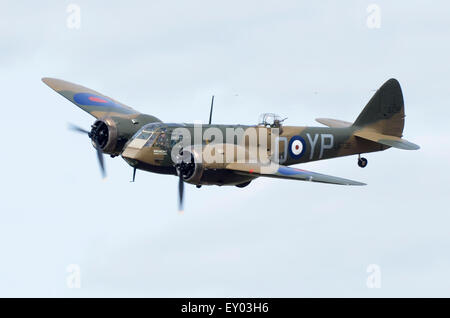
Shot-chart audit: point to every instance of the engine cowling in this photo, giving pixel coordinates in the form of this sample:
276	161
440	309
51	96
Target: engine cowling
104	135
189	164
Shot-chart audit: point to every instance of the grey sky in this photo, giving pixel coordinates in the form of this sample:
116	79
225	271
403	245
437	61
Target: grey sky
274	238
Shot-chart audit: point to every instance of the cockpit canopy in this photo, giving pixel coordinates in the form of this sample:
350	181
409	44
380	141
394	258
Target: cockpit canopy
153	135
270	120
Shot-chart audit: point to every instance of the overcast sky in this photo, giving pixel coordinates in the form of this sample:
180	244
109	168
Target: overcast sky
301	59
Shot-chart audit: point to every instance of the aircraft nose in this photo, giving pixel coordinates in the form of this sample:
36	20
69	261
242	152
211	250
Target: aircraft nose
130	153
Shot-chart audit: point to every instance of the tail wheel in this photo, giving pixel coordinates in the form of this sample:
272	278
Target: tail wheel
362	162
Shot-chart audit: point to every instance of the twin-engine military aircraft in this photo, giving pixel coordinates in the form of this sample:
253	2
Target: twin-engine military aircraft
198	154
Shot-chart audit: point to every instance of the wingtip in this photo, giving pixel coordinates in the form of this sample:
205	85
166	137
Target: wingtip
355	183
410	146
51	81
47	80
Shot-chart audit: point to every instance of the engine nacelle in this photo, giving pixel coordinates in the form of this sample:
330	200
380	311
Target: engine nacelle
189	164
104	134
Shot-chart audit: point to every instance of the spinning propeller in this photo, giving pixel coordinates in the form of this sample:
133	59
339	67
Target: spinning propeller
96	135
184	166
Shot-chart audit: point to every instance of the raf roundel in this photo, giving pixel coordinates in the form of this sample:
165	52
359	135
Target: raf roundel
89	99
297	147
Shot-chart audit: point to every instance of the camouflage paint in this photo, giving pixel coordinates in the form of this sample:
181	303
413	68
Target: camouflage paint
378	127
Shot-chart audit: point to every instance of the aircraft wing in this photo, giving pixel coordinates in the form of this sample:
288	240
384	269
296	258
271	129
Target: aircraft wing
96	104
284	172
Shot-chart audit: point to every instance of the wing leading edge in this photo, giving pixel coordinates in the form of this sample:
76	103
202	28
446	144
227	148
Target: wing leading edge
92	102
284	172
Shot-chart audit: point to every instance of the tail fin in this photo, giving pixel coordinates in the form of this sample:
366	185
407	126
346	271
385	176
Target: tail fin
383	118
385	112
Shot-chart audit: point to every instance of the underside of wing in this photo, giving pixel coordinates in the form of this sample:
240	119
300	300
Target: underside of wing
391	141
96	104
284	172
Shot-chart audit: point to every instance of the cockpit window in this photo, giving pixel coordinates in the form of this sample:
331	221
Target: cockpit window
152	126
155	135
149	142
144	135
162	141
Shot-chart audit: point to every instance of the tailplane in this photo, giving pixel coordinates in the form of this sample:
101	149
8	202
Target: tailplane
387	140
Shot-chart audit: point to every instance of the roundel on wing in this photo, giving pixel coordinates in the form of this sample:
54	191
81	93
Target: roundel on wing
89	99
297	147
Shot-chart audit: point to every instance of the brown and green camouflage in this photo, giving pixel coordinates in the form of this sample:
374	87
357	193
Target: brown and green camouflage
146	143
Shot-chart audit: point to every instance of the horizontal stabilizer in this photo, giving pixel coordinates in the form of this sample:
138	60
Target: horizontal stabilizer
333	123
391	141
